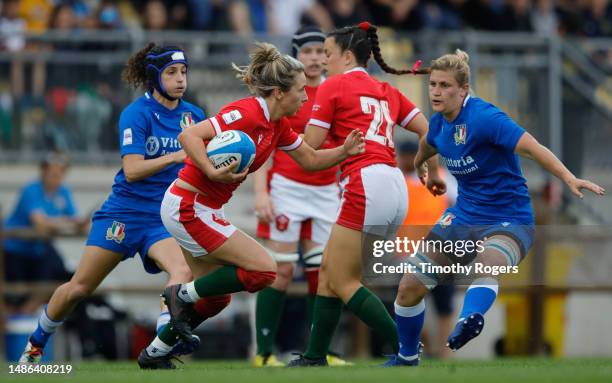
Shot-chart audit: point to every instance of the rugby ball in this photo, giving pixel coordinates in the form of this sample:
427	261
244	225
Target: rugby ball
230	146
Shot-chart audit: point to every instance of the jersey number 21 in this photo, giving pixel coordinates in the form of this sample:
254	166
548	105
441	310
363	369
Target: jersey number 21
381	126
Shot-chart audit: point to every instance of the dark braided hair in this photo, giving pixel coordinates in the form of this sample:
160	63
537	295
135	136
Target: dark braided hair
134	73
362	40
353	39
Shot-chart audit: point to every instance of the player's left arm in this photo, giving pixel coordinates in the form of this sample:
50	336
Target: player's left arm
310	159
429	175
529	147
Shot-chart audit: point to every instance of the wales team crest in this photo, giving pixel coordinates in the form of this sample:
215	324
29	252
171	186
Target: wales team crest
116	232
186	120
460	134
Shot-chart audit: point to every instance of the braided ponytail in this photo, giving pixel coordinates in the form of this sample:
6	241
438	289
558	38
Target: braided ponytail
373	37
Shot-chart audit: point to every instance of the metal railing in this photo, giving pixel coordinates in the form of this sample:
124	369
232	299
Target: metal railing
551	86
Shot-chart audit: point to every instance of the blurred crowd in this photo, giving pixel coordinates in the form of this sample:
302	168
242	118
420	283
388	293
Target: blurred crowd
43	102
574	17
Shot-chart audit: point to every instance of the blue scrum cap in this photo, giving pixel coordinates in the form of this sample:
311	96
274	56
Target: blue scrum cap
158	59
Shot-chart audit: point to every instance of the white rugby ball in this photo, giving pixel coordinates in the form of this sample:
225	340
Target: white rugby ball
230	146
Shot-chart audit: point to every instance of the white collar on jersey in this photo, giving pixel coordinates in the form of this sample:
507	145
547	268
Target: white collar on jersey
264	106
357	69
146	94
466	99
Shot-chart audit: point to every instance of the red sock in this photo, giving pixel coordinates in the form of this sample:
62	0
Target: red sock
312	276
255	280
210	306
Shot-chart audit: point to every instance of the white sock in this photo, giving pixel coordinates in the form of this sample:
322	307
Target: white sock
162	320
188	293
47	324
158	348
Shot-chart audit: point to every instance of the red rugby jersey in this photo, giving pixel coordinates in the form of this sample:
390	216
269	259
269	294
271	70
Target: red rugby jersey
284	165
250	115
355	100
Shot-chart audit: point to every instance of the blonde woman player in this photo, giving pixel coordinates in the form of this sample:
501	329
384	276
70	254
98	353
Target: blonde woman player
294	207
225	260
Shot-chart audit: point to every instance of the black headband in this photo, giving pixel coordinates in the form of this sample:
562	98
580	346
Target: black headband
304	36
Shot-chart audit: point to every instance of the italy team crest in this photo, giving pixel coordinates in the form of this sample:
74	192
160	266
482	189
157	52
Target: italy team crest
116	232
446	220
186	120
460	134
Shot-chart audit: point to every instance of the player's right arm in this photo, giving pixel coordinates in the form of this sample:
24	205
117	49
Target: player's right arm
133	136
136	168
192	140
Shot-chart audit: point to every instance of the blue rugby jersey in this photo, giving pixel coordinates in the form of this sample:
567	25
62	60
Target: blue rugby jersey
148	128
478	149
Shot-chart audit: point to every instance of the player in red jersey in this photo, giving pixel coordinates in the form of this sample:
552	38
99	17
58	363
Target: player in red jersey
374	195
284	219
224	260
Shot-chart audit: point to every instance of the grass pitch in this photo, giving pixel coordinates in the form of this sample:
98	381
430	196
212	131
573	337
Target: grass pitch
496	371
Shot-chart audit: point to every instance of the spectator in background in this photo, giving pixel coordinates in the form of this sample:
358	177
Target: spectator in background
479	14
407	15
36	14
444	14
44	209
12	27
204	12
63	21
571	17
516	16
179	12
155	15
347	12
597	19
544	18
285	16
108	15
424	210
12	39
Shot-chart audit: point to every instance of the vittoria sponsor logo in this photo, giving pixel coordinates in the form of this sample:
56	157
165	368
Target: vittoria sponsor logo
116	232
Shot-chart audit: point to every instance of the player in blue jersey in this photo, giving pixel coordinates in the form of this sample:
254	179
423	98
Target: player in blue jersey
129	221
479	145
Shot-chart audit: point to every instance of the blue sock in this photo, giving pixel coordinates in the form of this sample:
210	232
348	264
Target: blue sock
479	297
409	325
46	327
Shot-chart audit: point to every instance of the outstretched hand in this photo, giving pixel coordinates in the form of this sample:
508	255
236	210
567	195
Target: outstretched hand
576	185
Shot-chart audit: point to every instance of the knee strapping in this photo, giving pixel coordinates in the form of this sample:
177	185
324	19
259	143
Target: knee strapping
429	280
255	280
313	258
283	257
506	247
